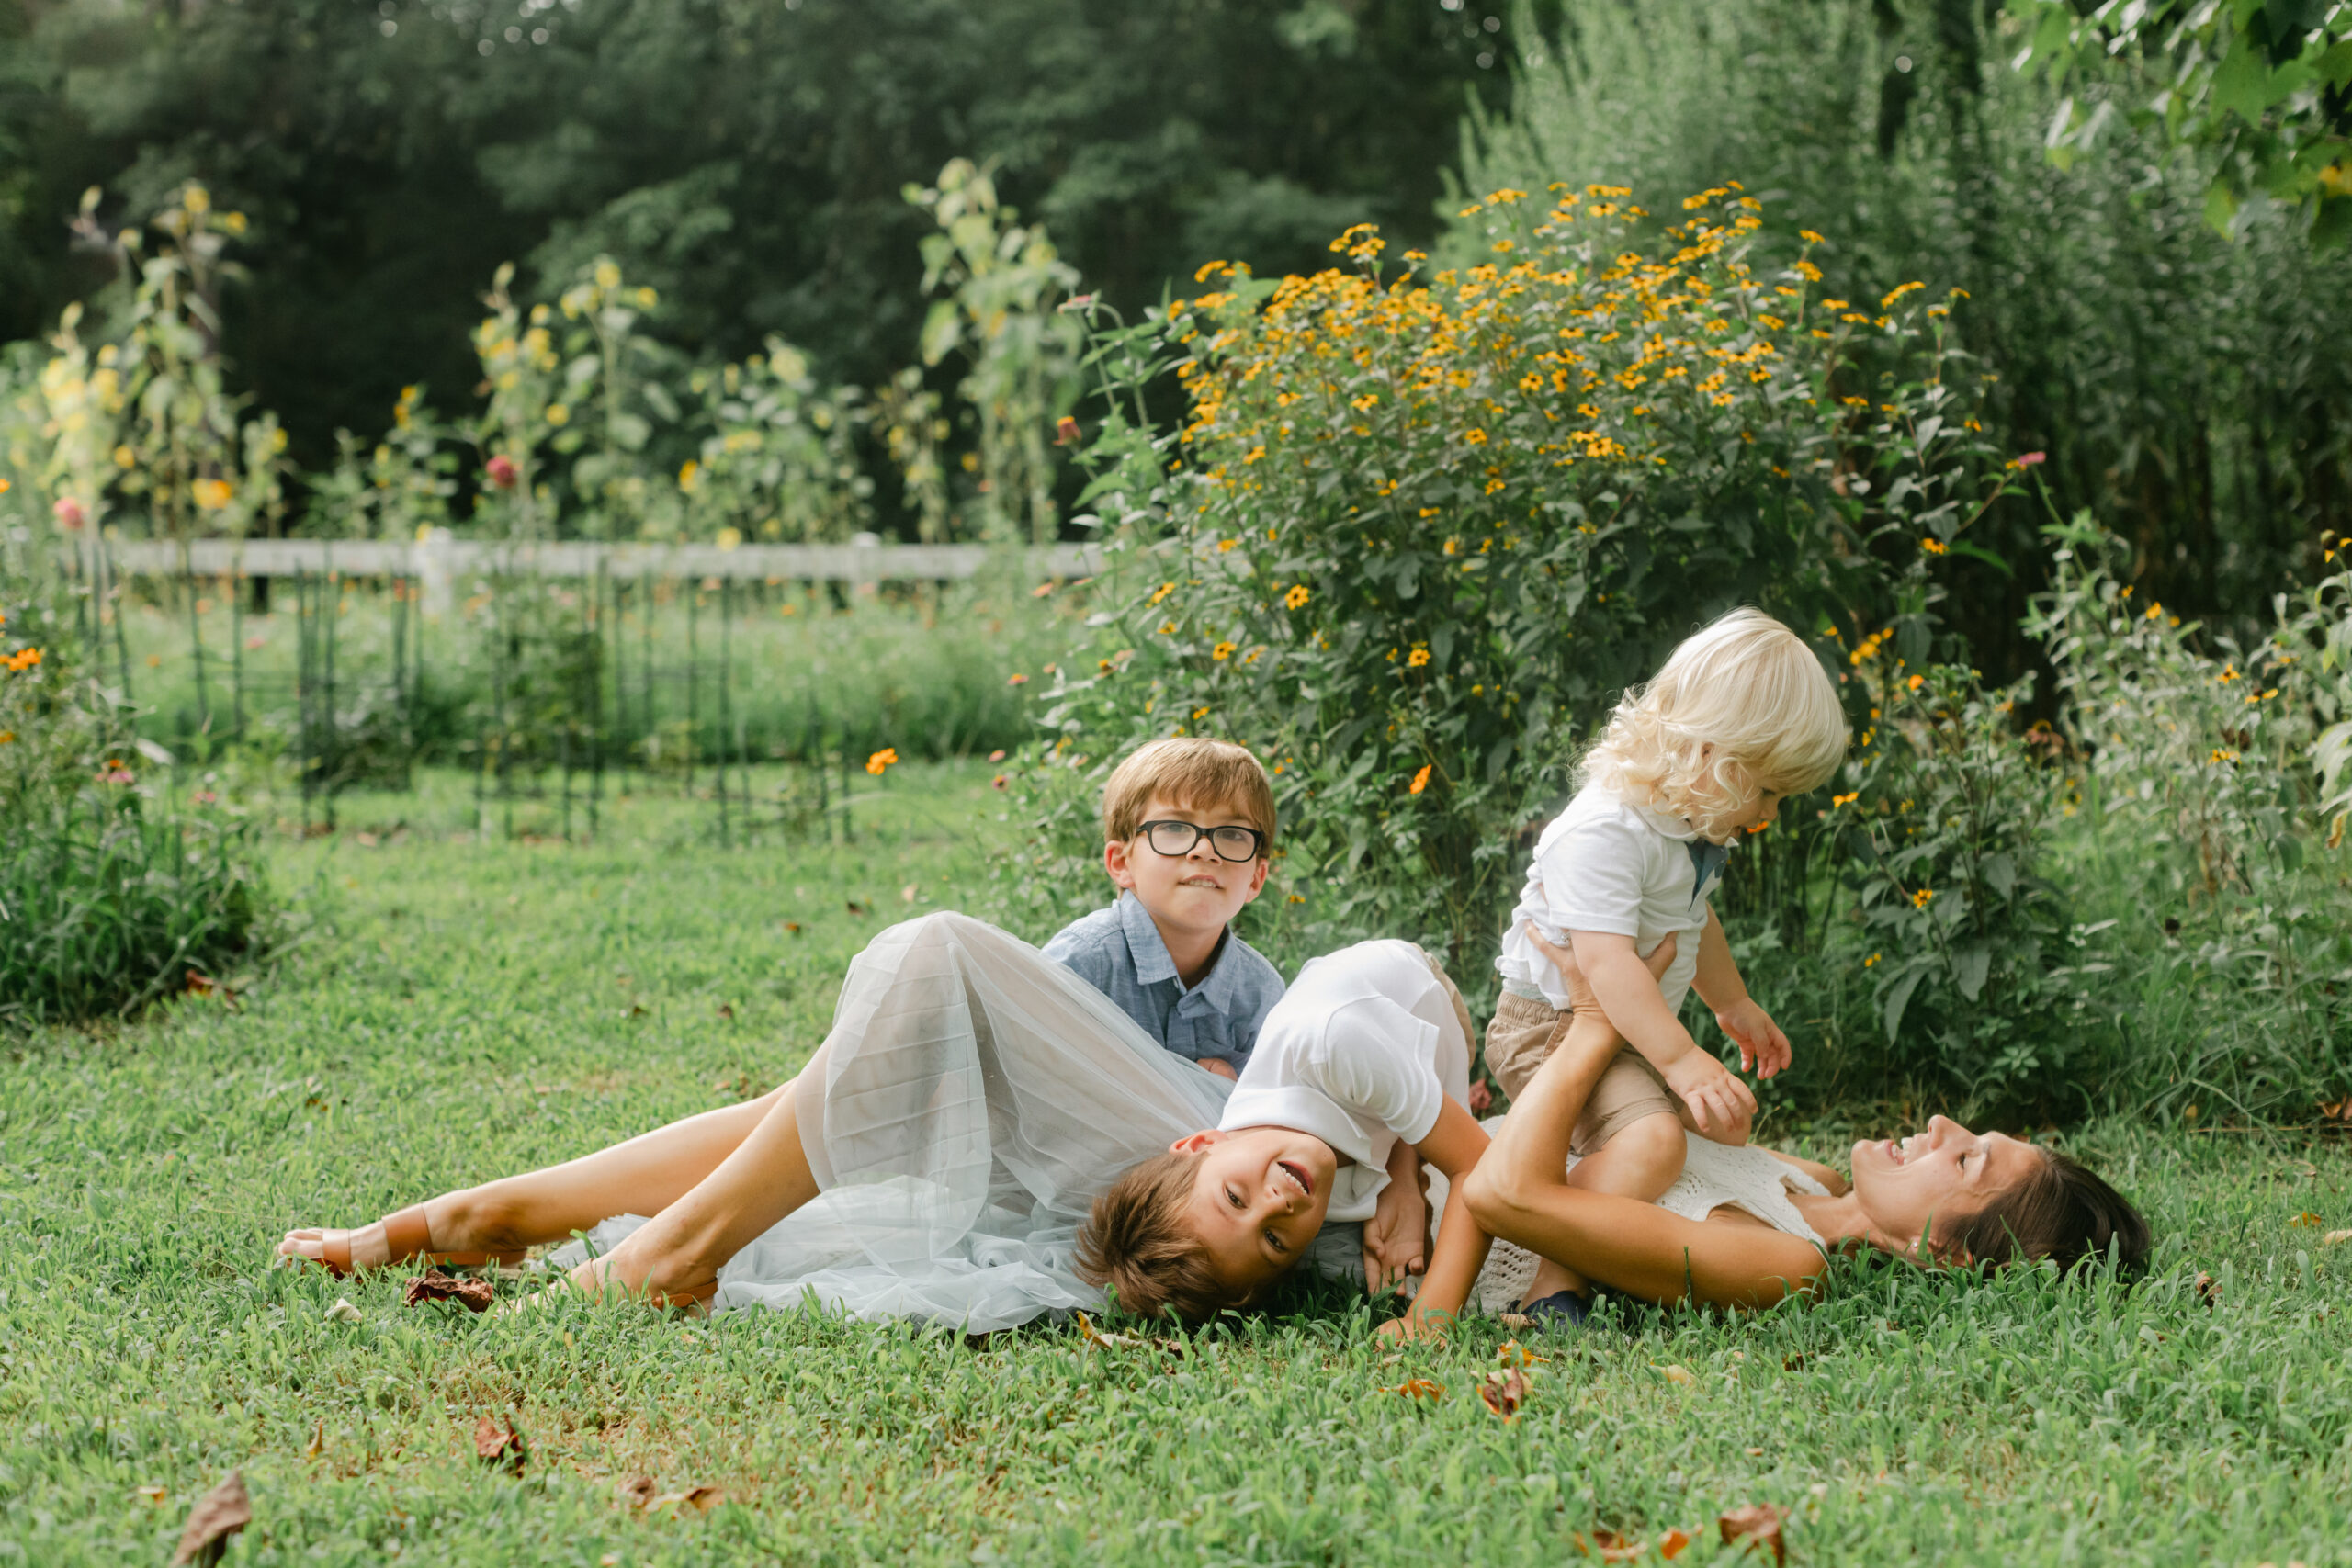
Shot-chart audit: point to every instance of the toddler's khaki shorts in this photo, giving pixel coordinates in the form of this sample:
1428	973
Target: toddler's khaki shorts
1524	1033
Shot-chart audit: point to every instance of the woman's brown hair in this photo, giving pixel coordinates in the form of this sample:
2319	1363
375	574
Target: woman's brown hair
2061	1210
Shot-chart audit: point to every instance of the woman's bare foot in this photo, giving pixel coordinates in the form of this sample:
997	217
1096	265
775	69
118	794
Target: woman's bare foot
439	1230
368	1247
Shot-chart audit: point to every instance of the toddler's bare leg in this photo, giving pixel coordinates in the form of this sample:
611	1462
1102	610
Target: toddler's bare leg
1642	1161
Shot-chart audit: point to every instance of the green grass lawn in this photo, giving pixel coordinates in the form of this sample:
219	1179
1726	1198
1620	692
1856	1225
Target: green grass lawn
461	1010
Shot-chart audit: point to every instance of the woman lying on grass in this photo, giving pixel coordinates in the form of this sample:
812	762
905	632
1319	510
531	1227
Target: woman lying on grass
1745	1226
936	1155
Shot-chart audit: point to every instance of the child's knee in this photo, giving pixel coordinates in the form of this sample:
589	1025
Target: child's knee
1640	1160
1656	1141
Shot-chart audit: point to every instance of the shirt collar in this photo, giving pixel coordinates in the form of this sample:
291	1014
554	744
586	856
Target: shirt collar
1154	964
1672	827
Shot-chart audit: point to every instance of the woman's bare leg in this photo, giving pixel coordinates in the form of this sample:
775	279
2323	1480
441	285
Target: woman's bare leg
675	1258
642	1176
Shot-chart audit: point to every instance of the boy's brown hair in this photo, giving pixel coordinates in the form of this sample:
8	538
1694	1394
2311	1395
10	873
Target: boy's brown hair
1136	1242
1189	770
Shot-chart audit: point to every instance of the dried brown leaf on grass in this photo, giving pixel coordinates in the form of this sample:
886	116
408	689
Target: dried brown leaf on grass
497	1443
1419	1388
218	1515
2209	1289
1504	1393
701	1499
473	1295
1614	1546
1759	1525
639	1491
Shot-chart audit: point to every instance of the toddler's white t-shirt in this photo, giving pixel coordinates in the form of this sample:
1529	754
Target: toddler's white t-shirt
1362	1051
1606	865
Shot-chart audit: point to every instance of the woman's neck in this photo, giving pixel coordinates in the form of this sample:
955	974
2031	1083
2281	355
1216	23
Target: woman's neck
1834	1220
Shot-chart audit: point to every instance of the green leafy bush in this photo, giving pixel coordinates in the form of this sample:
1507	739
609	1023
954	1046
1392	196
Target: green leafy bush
2202	766
112	891
1418	534
1978	971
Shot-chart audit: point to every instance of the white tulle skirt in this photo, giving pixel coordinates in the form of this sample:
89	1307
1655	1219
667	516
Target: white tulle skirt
972	1099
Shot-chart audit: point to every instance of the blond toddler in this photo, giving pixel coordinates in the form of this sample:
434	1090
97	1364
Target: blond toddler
1742	716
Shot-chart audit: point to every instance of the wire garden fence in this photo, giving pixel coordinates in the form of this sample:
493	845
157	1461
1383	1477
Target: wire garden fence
759	680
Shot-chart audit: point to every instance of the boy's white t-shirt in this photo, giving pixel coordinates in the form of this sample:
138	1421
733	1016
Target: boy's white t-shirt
1606	865
1362	1051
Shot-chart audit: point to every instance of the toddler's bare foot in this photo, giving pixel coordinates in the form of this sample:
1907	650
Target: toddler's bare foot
1551	1280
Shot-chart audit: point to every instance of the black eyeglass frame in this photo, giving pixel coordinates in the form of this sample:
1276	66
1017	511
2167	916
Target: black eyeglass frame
1257	840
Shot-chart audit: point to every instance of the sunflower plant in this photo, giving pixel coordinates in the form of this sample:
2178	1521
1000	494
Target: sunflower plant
1419	527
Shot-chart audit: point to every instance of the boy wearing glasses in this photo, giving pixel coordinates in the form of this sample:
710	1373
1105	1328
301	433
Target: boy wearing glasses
1187	825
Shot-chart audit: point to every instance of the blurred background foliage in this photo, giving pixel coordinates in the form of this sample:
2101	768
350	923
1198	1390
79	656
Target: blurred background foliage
745	159
2193	390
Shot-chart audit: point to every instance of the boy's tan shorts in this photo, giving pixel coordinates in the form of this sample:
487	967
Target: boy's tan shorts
1524	1033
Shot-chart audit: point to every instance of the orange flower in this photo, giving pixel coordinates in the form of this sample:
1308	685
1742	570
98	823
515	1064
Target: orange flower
1421	780
23	659
881	760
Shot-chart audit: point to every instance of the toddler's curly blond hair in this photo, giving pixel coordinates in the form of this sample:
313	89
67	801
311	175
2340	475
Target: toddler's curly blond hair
1742	708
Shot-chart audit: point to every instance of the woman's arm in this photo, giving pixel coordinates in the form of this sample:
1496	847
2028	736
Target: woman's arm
1455	1145
1647	1251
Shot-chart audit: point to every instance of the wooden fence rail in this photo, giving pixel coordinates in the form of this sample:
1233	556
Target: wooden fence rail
437	562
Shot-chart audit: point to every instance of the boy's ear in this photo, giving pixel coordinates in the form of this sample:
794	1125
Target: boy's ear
1193	1143
1115	860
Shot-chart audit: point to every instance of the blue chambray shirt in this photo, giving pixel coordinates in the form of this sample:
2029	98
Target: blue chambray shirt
1119	952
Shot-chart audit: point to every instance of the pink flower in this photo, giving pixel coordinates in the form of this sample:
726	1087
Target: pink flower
502	472
69	512
1481	1097
2028	459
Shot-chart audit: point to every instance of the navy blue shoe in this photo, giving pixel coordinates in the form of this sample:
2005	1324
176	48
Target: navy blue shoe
1561	1309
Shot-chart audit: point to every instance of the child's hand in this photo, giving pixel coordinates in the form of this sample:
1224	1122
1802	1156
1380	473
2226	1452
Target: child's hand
1717	1100
1222	1067
1396	1237
1763	1049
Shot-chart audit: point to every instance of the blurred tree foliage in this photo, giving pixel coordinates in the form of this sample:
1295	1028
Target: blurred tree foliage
2194	392
745	157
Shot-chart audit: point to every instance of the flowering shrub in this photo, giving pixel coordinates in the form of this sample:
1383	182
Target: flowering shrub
1415	535
140	429
111	891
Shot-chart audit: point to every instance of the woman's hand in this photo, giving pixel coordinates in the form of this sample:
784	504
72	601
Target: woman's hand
1658	960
